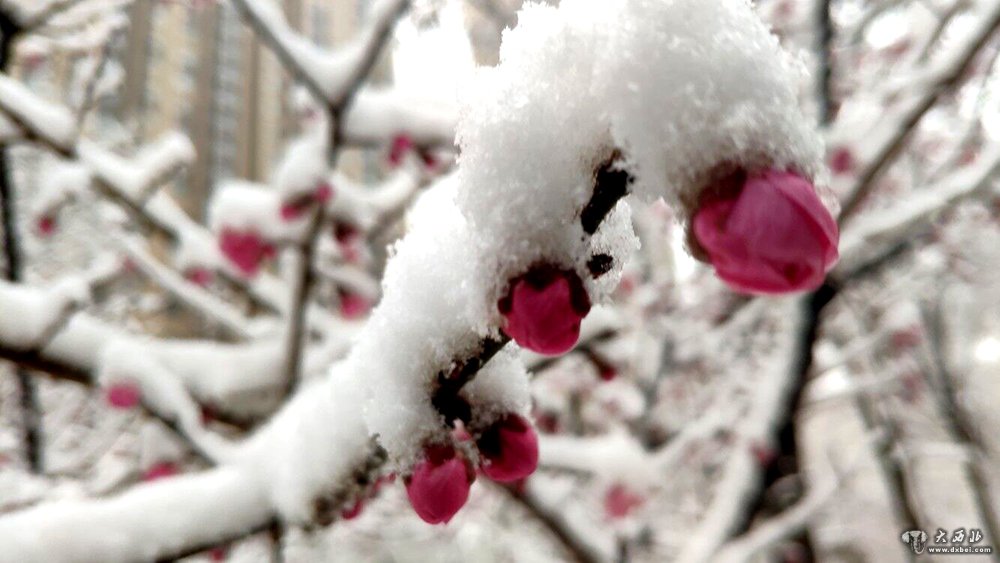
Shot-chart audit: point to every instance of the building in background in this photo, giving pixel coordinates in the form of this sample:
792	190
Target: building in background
198	68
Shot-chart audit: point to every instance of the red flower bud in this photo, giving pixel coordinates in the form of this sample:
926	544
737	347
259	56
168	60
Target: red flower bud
293	210
123	395
161	470
543	309
767	232
199	276
46	225
324	193
353	306
842	161
245	249
354	511
401	145
509	449
439	485
619	501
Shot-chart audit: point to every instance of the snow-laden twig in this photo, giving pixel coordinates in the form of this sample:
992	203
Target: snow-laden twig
793	520
146	523
894	130
213	308
52	124
872	235
329	76
742	473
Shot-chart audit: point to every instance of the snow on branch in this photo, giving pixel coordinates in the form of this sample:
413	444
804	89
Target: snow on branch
54	125
872	235
742	473
331	76
149	522
893	130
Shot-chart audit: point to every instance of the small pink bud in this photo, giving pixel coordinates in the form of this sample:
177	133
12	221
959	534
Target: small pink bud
218	553
46	225
292	211
354	511
906	338
509	449
401	145
767	233
605	370
543	309
345	233
430	161
324	193
842	161
619	501
199	276
160	470
547	422
123	395
245	249
439	485
353	306
763	453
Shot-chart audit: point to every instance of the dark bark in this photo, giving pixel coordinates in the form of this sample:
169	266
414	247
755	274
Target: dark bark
13	261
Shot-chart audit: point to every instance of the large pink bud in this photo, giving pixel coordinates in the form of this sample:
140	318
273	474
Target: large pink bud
766	232
509	449
543	309
245	249
439	484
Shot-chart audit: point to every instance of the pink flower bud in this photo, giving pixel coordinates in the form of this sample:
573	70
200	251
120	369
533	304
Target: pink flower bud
763	453
218	553
123	395
354	511
46	225
199	276
353	306
324	193
345	233
245	249
509	449
401	145
161	470
292	211
842	161
439	485
619	501
543	309
767	233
